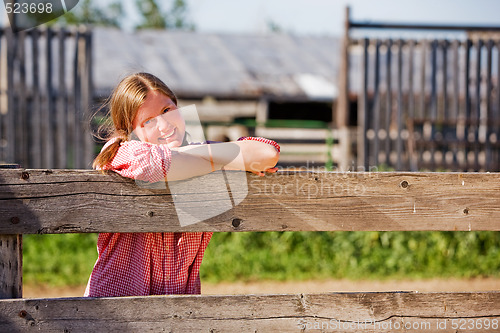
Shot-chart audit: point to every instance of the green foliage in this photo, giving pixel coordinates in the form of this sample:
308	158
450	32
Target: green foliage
113	15
351	255
154	18
249	256
87	12
58	260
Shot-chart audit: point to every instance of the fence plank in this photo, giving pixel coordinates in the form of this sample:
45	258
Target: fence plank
377	101
347	312
11	268
22	116
59	201
422	114
489	120
48	106
3	97
477	109
11	260
36	110
445	119
363	112
388	106
468	103
86	103
399	107
10	121
61	103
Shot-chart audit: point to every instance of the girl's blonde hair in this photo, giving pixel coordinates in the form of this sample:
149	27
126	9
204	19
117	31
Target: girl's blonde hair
123	104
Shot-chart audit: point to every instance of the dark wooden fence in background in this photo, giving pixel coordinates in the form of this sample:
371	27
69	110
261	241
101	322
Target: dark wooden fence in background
430	104
424	103
45	98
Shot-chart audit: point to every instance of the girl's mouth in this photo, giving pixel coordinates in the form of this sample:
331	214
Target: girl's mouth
168	135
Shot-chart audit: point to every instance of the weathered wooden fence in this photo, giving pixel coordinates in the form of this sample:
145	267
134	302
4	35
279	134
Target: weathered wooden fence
45	98
62	201
426	103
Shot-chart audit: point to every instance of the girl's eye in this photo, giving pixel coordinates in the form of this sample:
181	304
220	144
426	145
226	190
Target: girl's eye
166	110
149	122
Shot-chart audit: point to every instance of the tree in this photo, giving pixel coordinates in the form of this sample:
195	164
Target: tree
154	18
112	15
178	16
88	13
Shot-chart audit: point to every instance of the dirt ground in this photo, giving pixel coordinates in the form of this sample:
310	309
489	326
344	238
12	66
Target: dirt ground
292	287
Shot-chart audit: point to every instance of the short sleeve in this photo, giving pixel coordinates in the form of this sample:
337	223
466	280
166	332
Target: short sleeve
260	139
141	161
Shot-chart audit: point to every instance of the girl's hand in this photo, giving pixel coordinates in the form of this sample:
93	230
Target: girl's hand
263	173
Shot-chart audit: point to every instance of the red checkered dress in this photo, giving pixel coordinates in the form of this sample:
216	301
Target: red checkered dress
139	264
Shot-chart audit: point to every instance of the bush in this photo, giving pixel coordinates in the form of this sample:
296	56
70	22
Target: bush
58	260
248	256
350	255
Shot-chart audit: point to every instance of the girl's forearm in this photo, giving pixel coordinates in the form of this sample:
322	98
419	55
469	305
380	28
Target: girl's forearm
240	155
255	156
184	165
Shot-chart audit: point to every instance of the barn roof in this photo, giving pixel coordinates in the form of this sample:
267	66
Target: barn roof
194	64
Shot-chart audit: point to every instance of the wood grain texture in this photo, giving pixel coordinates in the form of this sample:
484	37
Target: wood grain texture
60	201
11	266
366	312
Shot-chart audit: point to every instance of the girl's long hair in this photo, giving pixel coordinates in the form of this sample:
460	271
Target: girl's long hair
122	105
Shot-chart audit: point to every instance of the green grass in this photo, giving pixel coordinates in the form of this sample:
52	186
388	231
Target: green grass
68	259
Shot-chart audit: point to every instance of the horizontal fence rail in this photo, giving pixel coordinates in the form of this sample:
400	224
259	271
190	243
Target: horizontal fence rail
61	201
66	201
328	312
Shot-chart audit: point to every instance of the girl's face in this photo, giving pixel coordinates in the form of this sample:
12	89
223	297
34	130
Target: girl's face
159	121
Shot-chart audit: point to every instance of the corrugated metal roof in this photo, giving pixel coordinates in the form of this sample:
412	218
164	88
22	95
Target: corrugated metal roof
197	64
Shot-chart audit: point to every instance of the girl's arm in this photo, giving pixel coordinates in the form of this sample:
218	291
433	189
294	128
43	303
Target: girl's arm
196	160
153	163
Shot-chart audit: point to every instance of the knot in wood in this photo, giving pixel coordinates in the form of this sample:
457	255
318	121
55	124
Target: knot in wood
404	184
236	222
23	313
150	213
25	175
14	220
466	211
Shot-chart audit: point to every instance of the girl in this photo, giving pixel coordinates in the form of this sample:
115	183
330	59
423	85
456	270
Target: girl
136	264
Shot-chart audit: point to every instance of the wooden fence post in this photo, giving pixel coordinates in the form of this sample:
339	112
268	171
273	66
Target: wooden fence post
341	116
11	259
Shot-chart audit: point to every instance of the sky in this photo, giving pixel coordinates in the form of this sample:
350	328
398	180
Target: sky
327	16
323	17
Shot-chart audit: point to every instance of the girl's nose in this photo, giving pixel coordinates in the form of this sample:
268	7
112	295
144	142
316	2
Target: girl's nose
163	123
